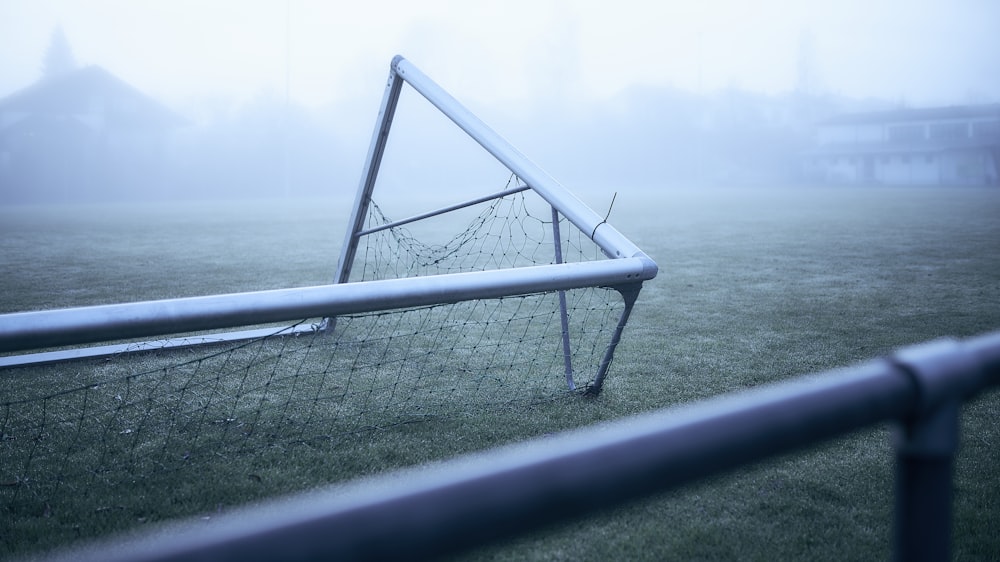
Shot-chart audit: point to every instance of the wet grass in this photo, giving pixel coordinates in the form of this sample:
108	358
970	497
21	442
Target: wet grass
755	287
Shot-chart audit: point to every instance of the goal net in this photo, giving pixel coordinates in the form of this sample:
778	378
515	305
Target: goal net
468	311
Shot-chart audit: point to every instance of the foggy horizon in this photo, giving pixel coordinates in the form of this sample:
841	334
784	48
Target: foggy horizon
280	98
939	53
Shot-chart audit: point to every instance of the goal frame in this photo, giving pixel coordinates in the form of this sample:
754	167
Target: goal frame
626	268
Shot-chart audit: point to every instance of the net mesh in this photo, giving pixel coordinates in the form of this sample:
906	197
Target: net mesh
104	434
512	231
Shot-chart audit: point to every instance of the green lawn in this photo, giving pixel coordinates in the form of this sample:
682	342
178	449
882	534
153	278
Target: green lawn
755	286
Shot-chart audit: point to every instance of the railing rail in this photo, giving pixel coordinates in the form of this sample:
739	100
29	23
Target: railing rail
476	500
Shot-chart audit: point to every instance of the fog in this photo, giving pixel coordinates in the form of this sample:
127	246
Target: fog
112	100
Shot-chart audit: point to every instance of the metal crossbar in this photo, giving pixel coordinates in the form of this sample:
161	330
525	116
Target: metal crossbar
438	212
470	502
72	326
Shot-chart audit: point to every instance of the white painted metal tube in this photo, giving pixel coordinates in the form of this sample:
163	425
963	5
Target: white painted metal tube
71	326
612	242
442	210
372	163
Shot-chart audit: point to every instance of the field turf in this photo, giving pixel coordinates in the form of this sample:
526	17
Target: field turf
755	287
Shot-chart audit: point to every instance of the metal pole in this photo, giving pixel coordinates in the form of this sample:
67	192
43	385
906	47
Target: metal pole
629	295
71	326
462	503
925	453
375	152
468	502
441	211
942	372
563	315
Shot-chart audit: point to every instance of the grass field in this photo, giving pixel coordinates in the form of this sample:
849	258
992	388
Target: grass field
754	287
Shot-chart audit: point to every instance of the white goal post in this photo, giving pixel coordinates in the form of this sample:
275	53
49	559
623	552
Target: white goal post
483	307
625	268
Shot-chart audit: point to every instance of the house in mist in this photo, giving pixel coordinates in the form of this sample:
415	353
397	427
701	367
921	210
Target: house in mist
956	145
82	134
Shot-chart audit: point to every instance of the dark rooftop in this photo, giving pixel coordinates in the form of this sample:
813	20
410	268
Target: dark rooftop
80	91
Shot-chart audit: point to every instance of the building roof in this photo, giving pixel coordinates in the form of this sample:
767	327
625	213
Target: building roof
917	114
876	149
89	90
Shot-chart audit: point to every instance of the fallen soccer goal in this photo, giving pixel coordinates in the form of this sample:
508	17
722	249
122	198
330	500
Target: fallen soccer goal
503	300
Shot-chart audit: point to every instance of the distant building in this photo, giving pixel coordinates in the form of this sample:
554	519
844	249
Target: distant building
81	135
957	145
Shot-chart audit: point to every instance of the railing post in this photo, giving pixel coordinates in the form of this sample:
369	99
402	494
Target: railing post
943	372
925	453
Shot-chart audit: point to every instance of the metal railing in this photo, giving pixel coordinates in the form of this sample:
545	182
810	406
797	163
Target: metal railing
473	501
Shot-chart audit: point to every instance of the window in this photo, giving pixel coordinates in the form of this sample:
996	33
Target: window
949	131
906	133
986	130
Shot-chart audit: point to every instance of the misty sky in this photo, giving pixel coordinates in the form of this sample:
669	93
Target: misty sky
923	52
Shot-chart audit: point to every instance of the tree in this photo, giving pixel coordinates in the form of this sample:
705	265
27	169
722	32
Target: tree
59	57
